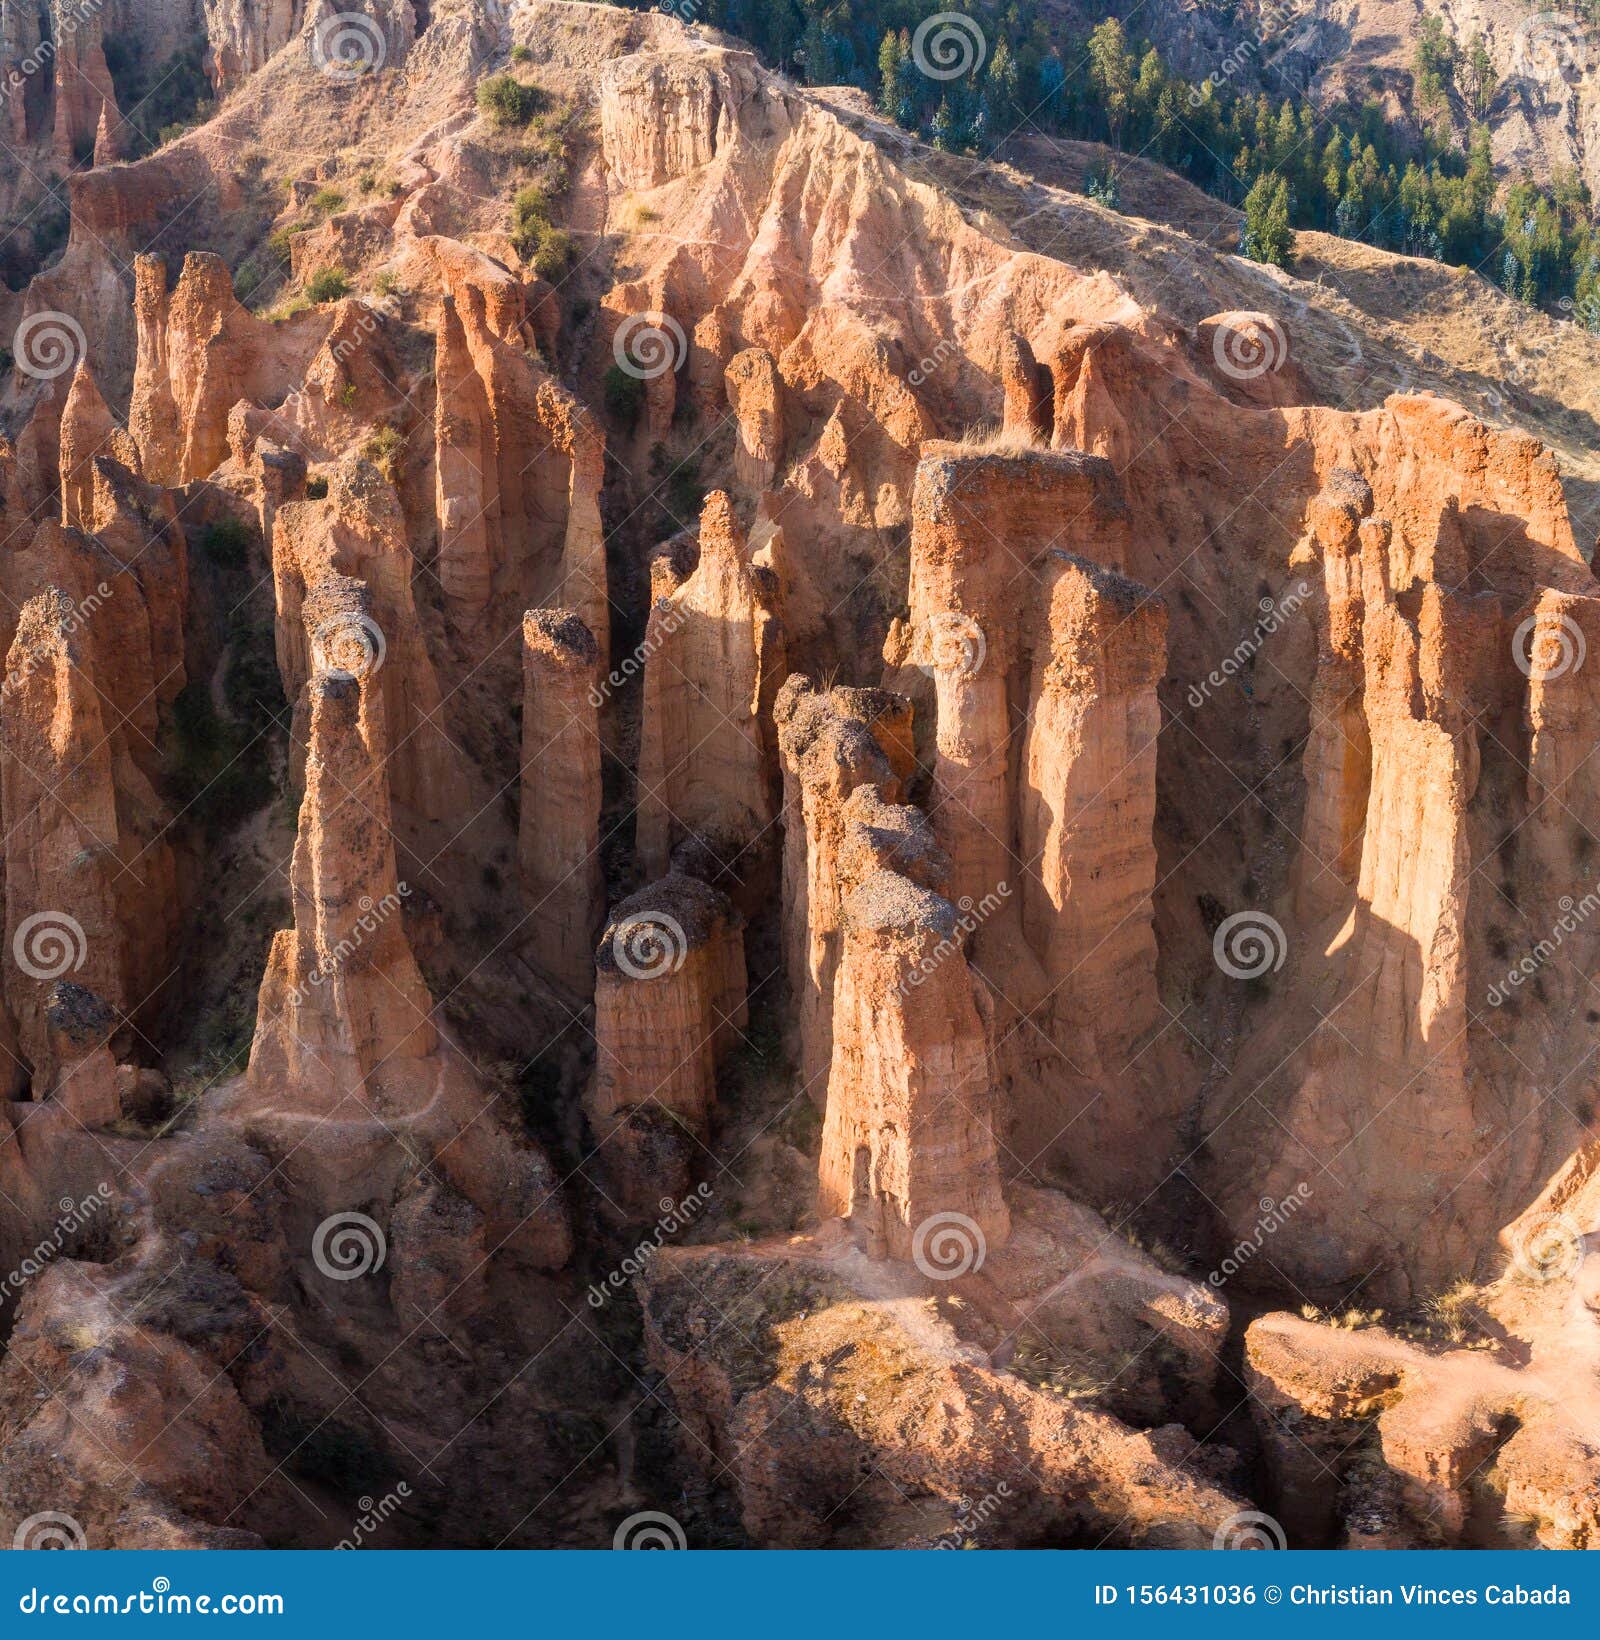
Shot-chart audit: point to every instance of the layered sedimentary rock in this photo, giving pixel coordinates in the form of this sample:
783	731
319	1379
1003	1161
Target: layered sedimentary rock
1087	803
518	461
714	653
87	430
985	526
343	1007
1338	754
359	533
1415	1446
563	888
908	1139
90	883
669	1004
83	90
831	742
1357	720
1020	613
199	353
755	395
1028	411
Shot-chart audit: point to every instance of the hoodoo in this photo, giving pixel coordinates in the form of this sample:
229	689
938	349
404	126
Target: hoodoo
716	816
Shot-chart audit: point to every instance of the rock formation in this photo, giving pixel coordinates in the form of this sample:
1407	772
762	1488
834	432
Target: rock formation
832	742
755	395
908	1139
558	832
714	661
1093	791
669	1004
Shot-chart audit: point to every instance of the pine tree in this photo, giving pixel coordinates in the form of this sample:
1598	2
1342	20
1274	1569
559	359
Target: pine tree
1111	74
1000	109
890	56
1267	235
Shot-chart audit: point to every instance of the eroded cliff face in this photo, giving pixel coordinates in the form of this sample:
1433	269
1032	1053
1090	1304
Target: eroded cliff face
524	768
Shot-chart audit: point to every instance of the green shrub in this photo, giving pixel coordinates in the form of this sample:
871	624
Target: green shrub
506	101
325	201
227	543
554	254
530	221
316	489
521	54
384	449
624	395
328	285
685	493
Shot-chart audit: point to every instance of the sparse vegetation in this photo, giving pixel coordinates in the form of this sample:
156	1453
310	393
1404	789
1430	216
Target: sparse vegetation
227	543
384	450
1454	1316
1101	185
160	101
1347	168
554	254
624	396
505	101
328	285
